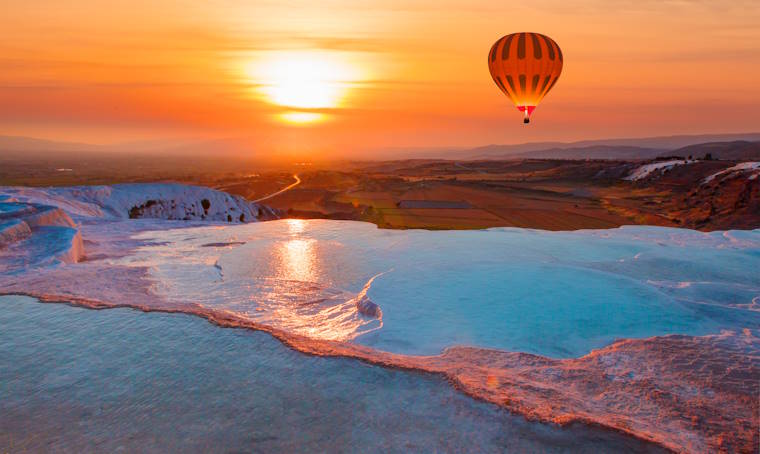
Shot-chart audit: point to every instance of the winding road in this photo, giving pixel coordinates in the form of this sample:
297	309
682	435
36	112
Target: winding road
286	188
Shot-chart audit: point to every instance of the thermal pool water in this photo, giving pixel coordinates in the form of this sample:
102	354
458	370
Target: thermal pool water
557	294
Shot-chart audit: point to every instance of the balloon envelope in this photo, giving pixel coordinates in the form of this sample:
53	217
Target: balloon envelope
525	66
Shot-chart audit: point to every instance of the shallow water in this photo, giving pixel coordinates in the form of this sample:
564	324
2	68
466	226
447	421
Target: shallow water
78	380
558	294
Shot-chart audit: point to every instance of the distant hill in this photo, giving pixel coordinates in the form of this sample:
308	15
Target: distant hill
29	144
594	152
25	148
21	145
738	150
742	145
636	148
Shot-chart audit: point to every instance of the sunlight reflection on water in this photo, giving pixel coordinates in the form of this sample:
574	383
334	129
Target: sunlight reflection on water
298	261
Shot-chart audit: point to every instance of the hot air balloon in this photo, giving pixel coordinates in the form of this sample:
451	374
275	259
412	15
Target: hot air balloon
525	66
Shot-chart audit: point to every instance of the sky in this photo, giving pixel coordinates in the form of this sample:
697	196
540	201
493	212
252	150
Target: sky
354	78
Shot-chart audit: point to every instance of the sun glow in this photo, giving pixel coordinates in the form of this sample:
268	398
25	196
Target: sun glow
303	80
297	117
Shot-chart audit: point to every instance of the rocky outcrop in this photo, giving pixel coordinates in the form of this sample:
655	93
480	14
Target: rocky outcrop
47	215
13	231
33	235
169	201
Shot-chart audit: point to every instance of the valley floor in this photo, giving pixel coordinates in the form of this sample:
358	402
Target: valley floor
540	194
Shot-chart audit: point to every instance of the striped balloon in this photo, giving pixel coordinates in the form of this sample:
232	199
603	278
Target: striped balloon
525	66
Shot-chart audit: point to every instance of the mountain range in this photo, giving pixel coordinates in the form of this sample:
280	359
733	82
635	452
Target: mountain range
720	146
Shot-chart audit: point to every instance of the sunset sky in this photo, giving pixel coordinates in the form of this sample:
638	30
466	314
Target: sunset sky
354	77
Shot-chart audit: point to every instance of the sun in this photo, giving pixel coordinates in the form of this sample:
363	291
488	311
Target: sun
303	80
297	117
